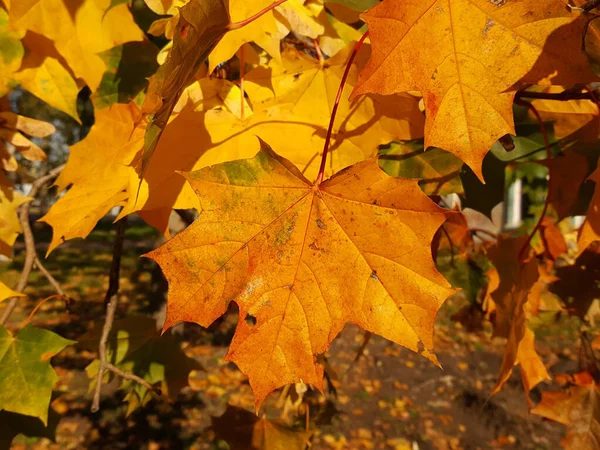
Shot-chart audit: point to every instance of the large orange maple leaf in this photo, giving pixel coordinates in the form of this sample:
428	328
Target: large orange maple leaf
468	58
302	260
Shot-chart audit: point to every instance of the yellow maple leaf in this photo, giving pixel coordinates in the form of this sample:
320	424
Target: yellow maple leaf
302	260
478	53
516	287
11	55
10	227
6	292
105	154
259	31
80	30
44	75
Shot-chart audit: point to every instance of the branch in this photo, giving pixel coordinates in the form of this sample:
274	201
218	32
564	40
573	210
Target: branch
559	96
590	5
111	301
31	257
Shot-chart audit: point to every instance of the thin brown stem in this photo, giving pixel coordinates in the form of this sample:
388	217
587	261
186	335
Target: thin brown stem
30	254
243	23
37	307
49	277
130	376
443	228
538	225
338	97
318	51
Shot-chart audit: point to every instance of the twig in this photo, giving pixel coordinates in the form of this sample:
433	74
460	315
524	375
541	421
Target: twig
129	376
30	254
538	225
558	96
443	228
111	306
590	5
108	322
26	322
49	277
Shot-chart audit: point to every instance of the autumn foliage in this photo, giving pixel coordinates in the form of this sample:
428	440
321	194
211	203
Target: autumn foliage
341	169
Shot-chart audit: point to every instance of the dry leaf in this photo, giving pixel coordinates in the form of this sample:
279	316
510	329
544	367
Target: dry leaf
478	51
301	261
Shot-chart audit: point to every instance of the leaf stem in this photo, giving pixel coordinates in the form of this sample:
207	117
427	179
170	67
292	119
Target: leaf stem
318	51
37	307
335	108
538	225
243	23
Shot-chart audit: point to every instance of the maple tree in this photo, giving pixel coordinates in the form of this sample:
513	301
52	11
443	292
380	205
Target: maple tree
332	157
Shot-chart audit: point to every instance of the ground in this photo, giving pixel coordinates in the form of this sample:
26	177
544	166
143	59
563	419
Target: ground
390	398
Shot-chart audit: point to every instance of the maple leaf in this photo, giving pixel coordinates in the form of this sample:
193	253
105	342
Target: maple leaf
299	19
367	122
25	371
11	126
80	30
6	292
253	433
45	76
569	170
10	227
106	152
590	230
579	410
11	55
516	280
261	31
574	116
216	132
478	52
301	261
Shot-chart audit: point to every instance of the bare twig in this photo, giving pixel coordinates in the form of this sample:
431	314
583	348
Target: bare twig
111	301
28	320
49	276
108	322
30	255
129	376
111	307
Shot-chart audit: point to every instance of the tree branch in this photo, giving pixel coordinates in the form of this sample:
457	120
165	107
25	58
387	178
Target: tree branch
30	254
559	96
111	301
590	5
